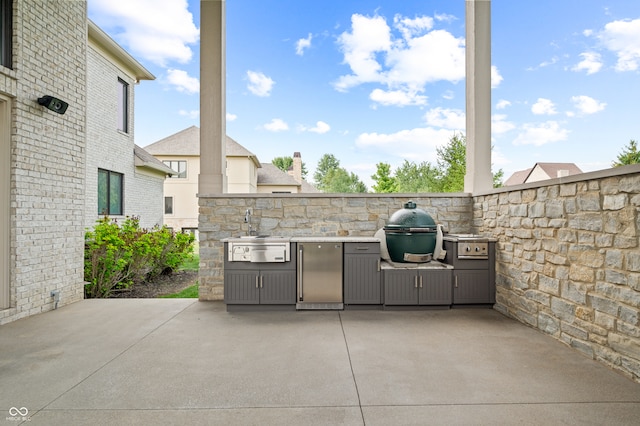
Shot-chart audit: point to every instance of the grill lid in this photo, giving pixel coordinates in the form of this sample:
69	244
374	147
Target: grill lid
410	219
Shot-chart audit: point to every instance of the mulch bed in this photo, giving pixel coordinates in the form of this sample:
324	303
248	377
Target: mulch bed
162	285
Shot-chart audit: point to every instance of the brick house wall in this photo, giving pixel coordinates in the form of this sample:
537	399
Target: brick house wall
111	149
47	156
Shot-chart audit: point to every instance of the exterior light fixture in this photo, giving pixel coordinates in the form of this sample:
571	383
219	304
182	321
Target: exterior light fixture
54	104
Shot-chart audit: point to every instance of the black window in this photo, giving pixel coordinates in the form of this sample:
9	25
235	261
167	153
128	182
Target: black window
168	205
180	167
110	192
6	33
123	106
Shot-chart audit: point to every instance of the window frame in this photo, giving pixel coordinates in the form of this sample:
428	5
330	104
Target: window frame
179	174
167	198
107	210
123	106
6	33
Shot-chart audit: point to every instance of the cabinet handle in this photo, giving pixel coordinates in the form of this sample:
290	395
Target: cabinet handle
261	281
379	265
257	281
420	281
415	282
455	280
300	295
362	248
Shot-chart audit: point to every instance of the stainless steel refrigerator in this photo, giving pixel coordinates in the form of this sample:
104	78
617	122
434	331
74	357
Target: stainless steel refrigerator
319	275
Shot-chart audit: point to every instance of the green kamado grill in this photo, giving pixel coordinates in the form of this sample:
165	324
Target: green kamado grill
410	231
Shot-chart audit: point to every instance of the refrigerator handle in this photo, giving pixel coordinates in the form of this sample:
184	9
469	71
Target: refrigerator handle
300	296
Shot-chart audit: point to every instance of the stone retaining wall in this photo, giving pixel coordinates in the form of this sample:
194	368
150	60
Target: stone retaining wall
309	215
568	261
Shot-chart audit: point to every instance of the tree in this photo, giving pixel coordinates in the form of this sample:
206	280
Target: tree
330	177
385	183
629	155
327	162
412	177
452	165
285	163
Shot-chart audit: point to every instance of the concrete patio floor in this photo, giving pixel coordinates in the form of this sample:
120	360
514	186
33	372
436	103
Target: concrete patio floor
180	361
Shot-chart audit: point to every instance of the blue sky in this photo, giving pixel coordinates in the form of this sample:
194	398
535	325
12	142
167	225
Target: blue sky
374	81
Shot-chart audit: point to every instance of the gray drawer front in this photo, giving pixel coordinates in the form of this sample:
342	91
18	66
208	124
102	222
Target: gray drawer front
362	248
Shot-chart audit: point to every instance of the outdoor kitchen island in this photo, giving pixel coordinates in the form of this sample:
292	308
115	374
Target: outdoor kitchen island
271	273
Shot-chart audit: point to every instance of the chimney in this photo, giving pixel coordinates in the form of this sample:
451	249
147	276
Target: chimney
297	167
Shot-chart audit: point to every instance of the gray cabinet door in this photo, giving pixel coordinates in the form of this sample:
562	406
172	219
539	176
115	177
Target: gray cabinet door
472	286
362	279
400	287
241	287
277	287
435	288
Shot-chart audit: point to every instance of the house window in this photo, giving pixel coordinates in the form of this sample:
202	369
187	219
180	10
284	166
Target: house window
123	106
110	192
180	167
6	33
168	205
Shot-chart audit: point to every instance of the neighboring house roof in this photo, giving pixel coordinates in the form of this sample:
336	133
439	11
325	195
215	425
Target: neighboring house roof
552	170
187	142
518	177
146	160
100	38
269	174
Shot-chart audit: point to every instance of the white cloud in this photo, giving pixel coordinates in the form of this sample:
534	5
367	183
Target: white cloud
453	119
157	30
183	82
321	127
302	44
412	27
502	104
543	107
587	105
496	78
231	117
259	84
276	125
397	97
404	61
541	134
193	114
623	38
499	124
367	37
414	145
591	63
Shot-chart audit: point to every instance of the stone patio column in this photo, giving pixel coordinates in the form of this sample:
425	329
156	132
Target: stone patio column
212	178
478	100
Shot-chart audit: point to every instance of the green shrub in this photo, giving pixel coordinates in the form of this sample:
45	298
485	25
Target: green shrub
117	256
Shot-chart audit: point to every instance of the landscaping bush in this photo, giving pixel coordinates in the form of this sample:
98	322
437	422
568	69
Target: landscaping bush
118	256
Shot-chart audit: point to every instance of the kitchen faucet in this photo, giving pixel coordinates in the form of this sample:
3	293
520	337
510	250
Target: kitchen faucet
247	219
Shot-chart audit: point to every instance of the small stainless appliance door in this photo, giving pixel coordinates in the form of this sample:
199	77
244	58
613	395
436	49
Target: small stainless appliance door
320	273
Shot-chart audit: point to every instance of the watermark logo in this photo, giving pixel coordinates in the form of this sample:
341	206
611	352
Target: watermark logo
18	414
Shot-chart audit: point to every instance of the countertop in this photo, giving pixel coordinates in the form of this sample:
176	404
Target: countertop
434	264
319	239
335	240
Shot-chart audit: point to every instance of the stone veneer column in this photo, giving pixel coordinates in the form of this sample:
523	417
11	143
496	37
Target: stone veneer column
212	178
478	96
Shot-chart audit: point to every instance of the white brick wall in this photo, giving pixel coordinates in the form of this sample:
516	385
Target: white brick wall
48	151
110	149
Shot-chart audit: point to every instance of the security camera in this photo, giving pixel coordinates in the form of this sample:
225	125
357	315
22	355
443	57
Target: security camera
54	104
